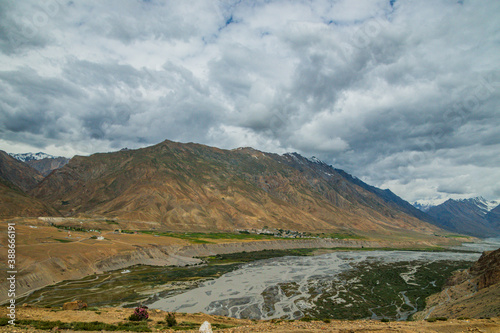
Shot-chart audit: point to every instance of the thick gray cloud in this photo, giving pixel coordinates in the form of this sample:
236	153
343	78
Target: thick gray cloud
402	94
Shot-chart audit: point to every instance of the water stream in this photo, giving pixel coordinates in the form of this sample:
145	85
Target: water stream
290	287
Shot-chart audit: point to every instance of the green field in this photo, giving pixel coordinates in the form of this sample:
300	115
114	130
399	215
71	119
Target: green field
379	291
201	238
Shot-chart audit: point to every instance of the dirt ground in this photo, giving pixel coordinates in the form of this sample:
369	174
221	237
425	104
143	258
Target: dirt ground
117	315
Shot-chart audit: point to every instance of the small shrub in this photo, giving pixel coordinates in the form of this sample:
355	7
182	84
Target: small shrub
41	324
140	313
327	321
170	319
432	320
385	320
133	327
91	326
306	319
187	325
221	326
4	321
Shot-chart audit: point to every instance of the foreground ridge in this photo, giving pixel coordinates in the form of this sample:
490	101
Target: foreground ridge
45	319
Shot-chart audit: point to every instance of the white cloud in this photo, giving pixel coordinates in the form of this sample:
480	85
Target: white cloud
402	96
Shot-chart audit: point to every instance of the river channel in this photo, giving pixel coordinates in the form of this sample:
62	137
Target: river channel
389	284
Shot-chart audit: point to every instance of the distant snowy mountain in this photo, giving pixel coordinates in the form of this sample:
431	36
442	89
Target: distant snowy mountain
42	162
484	205
422	206
475	216
481	203
31	156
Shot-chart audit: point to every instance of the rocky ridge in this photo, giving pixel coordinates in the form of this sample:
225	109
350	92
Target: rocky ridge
473	293
192	187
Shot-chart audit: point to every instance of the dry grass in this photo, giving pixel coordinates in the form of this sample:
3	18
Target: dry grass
118	315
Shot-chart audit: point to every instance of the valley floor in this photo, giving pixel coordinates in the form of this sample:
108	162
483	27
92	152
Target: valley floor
225	324
50	250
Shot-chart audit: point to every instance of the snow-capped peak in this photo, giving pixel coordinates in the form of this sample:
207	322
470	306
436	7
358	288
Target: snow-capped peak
31	156
315	160
423	207
482	203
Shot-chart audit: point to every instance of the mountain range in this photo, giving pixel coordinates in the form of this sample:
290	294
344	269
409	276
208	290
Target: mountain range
42	162
475	216
193	187
26	157
17	178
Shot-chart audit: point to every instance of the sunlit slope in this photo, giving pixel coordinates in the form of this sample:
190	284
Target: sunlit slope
192	187
15	203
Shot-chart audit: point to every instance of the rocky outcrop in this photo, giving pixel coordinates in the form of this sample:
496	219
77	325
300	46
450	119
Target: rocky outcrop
473	293
487	269
75	305
206	327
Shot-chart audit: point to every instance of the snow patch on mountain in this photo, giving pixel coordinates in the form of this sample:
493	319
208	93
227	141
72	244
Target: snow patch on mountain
424	207
484	205
316	160
31	156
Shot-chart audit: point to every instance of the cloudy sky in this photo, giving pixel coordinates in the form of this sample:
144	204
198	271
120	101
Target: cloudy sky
403	94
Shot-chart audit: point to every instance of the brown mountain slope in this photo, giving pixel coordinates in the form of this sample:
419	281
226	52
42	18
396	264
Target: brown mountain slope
473	293
199	188
46	165
18	173
15	203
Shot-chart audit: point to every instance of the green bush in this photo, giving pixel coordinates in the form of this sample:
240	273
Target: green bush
170	319
434	319
92	308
